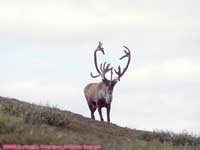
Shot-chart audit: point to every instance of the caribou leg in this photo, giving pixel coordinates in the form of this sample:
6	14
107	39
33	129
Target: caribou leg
92	110
108	112
100	113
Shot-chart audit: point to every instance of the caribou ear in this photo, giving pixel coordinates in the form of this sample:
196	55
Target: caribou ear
105	81
115	81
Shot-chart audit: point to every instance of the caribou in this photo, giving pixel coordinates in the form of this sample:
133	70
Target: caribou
99	95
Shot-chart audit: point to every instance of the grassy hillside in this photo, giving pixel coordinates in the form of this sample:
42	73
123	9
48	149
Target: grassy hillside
23	123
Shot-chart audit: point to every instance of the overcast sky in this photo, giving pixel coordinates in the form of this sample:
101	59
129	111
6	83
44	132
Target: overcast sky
47	46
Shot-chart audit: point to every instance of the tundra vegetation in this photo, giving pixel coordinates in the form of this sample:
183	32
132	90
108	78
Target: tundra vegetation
24	123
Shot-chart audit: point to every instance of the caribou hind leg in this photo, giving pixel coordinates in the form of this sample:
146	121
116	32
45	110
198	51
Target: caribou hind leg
92	110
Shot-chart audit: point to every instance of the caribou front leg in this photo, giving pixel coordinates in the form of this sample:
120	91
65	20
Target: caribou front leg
108	112
100	113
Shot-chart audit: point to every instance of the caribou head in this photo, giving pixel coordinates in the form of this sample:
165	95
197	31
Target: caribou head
99	95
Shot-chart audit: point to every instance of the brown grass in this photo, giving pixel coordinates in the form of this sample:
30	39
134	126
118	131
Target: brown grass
24	123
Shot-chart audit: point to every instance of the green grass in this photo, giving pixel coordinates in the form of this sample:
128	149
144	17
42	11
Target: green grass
24	123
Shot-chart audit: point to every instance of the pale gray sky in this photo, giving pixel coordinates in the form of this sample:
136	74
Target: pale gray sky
47	54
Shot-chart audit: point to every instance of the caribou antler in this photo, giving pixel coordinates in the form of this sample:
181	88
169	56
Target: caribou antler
99	48
99	95
103	67
119	72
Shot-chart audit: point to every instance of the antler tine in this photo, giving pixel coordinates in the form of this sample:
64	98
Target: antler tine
111	76
104	69
126	48
119	72
94	76
127	53
107	67
99	47
104	66
101	68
